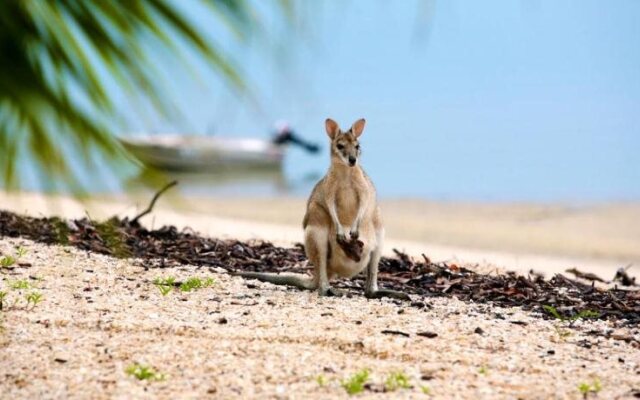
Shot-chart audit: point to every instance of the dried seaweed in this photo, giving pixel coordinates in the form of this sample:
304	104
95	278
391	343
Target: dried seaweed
169	247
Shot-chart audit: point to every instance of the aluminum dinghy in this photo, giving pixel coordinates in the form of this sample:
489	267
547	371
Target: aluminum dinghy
196	153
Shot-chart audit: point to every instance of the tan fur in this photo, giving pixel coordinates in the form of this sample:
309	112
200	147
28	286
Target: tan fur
351	193
343	204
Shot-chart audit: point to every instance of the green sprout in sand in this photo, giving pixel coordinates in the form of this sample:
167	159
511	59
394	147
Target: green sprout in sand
33	298
21	252
7	261
321	380
587	388
584	314
397	380
2	297
165	285
195	283
144	373
355	383
19	284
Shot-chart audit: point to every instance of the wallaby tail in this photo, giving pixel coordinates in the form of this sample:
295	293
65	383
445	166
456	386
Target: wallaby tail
299	281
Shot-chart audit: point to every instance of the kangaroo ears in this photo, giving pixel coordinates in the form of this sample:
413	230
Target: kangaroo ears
358	127
332	128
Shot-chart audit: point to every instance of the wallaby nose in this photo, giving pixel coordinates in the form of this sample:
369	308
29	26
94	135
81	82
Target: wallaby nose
352	160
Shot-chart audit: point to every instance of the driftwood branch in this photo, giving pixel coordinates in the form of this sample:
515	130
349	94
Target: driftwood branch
153	202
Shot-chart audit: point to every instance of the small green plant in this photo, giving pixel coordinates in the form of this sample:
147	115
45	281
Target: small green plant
397	380
144	373
355	383
2	297
321	380
597	386
113	237
191	284
195	283
165	285
483	370
21	252
33	298
584	314
554	313
425	389
61	230
165	290
19	284
586	388
7	261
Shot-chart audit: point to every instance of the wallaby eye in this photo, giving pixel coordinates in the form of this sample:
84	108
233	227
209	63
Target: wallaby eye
340	147
357	147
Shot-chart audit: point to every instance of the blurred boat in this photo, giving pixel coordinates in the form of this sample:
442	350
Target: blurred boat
175	152
194	153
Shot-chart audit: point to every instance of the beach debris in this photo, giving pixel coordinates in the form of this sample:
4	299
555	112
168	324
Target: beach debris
168	247
623	277
585	275
536	274
155	198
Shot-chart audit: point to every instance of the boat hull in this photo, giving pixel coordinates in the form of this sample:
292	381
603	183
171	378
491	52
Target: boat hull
197	153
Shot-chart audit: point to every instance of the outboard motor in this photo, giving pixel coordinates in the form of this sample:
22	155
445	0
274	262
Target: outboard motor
285	135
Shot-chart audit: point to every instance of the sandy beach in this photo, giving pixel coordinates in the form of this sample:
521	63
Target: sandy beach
99	323
99	316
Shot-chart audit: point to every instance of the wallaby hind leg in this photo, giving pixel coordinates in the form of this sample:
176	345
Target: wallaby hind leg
316	244
371	290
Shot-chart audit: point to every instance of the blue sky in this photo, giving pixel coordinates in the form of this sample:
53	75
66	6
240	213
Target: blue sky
491	100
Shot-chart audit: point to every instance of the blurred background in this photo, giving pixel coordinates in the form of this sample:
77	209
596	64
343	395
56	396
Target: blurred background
494	125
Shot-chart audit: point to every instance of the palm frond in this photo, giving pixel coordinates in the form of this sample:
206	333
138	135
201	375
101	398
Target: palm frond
53	98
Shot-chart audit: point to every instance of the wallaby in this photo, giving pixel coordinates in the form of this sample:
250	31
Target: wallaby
345	199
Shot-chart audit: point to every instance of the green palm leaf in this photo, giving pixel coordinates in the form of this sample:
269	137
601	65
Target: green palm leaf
52	99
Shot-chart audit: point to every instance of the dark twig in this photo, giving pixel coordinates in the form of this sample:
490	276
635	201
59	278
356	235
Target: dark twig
394	332
585	275
159	193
